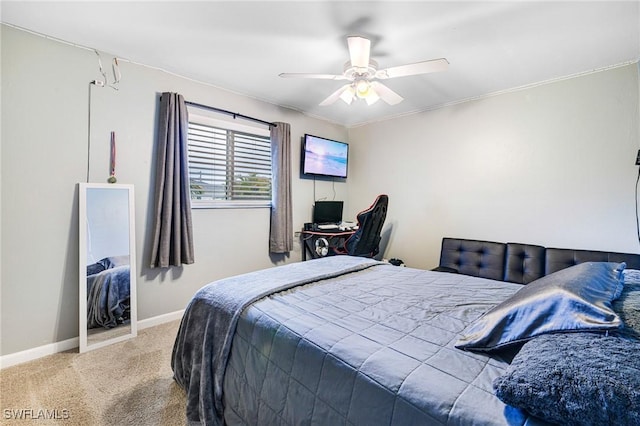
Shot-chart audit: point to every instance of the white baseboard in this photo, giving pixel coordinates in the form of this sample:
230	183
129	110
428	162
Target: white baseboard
39	352
65	345
160	319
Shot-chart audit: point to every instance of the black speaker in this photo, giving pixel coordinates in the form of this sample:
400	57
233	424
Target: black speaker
308	226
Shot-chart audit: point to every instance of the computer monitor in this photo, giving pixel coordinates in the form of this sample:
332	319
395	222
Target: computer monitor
327	211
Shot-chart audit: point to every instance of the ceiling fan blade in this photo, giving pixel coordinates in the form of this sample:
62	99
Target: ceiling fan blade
423	67
318	76
335	95
359	50
386	94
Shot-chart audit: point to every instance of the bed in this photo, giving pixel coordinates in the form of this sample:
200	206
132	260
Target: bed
348	340
108	292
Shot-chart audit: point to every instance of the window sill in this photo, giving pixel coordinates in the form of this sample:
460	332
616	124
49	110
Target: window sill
231	205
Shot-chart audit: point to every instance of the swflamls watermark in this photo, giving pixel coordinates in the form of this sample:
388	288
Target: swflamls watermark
35	414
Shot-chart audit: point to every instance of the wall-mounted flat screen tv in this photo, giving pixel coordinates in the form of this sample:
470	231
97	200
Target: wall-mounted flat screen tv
324	157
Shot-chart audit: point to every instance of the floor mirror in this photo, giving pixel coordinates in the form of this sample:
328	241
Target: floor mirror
107	273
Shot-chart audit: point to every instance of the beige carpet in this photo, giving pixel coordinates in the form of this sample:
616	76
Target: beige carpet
128	383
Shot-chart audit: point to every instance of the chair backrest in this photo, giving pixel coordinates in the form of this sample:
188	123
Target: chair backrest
366	240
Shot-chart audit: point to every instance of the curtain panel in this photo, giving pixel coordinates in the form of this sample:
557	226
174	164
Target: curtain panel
172	243
281	232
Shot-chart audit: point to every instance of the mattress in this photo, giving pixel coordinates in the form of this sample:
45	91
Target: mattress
373	346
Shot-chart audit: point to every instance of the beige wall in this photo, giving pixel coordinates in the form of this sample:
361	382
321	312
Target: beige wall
45	98
550	165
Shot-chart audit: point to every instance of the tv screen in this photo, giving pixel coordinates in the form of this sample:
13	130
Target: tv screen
324	157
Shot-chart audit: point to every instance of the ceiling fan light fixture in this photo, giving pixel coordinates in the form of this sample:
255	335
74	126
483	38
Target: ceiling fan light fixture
372	97
363	89
347	95
362	74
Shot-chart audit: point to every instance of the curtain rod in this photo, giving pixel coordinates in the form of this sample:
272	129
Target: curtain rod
234	114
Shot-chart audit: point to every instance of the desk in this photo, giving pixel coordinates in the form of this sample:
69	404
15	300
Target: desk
335	237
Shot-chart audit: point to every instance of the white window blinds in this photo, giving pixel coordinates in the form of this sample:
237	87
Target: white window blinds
228	167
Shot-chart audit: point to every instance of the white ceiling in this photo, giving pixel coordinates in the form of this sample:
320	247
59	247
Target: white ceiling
243	46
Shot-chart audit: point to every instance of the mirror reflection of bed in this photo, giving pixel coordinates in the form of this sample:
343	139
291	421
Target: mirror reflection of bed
108	298
107	253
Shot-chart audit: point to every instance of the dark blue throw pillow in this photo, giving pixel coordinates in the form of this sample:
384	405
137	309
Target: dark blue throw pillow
573	299
575	379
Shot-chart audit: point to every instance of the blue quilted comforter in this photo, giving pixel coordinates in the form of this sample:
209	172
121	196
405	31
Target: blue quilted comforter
339	340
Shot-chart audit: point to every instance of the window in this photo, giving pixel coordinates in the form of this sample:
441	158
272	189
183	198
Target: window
229	164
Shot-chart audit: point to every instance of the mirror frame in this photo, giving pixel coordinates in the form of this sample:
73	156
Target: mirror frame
82	252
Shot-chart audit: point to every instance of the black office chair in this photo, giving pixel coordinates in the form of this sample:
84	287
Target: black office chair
365	242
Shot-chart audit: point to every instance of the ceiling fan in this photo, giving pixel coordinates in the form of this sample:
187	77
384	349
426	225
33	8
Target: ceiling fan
362	74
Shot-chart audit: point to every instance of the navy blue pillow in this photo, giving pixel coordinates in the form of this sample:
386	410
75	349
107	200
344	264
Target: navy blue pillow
573	299
95	268
114	261
575	379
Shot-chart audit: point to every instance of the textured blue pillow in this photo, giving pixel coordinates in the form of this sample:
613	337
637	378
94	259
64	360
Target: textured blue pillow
573	299
575	379
627	306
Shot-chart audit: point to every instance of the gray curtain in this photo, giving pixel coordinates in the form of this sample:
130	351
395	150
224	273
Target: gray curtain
172	233
281	234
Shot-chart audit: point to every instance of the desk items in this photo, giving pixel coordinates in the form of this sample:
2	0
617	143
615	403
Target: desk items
361	239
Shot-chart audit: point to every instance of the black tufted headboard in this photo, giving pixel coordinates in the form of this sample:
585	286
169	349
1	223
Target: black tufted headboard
516	262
